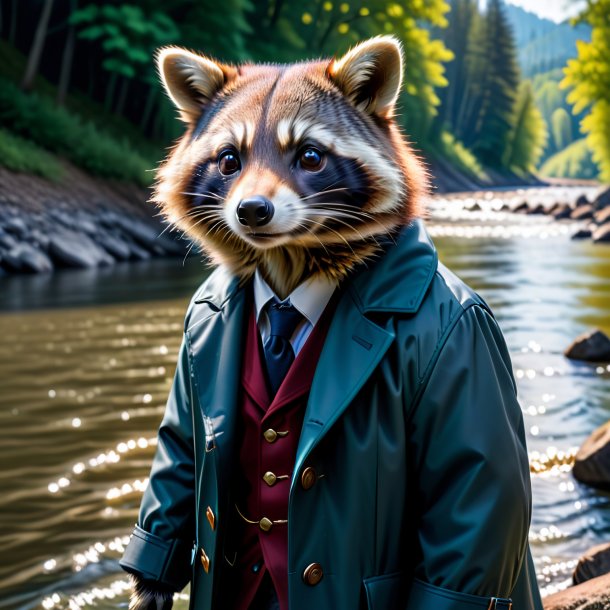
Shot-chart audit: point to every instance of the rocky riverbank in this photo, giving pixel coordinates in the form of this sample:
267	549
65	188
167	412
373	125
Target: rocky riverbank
595	213
81	222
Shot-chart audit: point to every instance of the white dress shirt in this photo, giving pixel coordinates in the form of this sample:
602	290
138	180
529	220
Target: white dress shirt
309	298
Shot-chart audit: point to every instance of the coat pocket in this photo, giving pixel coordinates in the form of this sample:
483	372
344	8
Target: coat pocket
425	595
385	592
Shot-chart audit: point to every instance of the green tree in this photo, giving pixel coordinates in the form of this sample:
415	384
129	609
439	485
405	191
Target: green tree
588	78
528	136
561	128
490	136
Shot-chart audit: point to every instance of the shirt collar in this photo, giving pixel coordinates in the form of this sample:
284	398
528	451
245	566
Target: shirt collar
310	297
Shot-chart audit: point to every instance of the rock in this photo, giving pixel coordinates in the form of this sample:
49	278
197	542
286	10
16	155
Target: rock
562	210
16	226
582	213
582	234
7	241
475	207
591	595
24	258
602	216
595	562
602	200
71	249
582	200
602	234
522	208
592	462
137	253
537	209
113	245
40	239
593	346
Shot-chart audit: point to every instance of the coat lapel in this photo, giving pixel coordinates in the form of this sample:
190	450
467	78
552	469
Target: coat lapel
353	348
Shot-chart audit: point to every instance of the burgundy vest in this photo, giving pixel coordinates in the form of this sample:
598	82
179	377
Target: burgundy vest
269	435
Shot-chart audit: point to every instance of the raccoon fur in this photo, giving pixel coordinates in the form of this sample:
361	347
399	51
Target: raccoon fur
294	169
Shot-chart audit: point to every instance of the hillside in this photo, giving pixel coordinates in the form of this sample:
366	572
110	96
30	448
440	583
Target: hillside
543	44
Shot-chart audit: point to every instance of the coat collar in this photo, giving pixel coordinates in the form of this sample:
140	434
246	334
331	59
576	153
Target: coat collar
396	282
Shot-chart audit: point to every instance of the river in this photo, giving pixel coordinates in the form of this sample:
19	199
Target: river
87	359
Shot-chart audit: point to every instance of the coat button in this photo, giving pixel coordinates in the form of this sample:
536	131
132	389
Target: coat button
205	561
209	513
265	524
308	478
270	478
313	574
270	435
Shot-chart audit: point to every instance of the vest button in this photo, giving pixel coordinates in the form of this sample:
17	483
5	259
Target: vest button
308	478
265	524
270	478
270	435
313	574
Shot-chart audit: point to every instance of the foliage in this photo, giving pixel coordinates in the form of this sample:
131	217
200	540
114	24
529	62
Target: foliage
127	35
20	155
57	130
501	80
561	128
529	134
588	77
458	156
575	161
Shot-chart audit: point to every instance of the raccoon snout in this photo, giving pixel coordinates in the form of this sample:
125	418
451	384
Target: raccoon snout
254	211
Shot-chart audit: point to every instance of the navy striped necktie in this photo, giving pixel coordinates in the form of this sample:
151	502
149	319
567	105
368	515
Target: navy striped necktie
279	355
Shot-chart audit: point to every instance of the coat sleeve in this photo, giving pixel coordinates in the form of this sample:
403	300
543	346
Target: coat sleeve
472	469
161	544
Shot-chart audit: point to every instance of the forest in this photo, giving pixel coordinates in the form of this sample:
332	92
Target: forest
78	83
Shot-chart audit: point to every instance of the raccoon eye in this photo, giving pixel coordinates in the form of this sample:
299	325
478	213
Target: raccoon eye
311	159
228	162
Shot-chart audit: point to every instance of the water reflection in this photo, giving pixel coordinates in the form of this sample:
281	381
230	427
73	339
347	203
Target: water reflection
83	392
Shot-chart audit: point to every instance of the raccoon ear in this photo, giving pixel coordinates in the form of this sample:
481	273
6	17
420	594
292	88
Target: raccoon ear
191	80
370	74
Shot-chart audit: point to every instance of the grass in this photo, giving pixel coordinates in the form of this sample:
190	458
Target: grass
57	130
102	144
20	155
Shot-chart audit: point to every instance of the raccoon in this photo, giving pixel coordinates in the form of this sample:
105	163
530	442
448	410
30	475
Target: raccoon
296	169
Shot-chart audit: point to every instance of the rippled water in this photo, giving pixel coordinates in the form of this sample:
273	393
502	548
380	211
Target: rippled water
83	391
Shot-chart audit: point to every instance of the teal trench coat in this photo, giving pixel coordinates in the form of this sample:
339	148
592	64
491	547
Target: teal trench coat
412	419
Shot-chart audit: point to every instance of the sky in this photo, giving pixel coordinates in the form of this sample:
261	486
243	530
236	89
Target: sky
556	10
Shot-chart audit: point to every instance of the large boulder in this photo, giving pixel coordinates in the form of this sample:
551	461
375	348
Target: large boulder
561	211
595	562
24	258
591	595
583	212
602	234
71	249
592	463
113	245
16	225
582	234
593	346
602	216
602	200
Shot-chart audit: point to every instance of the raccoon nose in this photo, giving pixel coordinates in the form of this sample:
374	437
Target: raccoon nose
255	211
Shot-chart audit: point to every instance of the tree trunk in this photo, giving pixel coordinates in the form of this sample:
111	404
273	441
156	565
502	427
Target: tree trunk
37	46
108	98
66	63
122	96
148	108
12	32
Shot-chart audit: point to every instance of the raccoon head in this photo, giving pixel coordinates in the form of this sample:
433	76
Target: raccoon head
295	169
